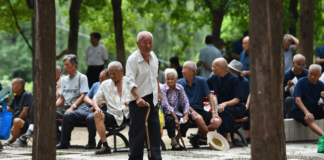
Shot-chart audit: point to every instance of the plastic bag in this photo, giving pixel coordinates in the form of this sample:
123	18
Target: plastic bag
320	148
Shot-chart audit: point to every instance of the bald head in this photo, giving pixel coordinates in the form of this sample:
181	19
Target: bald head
245	43
299	57
221	62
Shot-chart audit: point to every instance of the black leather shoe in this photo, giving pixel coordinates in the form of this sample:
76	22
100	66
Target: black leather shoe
194	141
104	150
90	146
62	146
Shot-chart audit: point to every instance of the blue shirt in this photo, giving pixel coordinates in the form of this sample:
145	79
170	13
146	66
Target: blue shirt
208	54
196	92
91	94
237	47
245	85
226	88
245	60
289	75
309	93
320	54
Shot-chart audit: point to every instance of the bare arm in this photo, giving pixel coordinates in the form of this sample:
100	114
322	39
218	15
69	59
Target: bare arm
95	104
296	41
211	101
80	99
61	54
206	66
235	56
248	102
105	61
59	101
319	60
232	102
9	109
87	100
301	105
23	113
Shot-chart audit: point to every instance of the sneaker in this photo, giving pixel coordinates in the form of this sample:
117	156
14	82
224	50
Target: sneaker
192	135
28	134
90	146
62	146
248	140
104	150
237	143
19	143
194	141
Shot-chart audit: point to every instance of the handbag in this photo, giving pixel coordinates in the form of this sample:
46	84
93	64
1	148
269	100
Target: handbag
5	122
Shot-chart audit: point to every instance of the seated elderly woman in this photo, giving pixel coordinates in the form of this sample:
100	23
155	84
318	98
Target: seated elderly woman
173	95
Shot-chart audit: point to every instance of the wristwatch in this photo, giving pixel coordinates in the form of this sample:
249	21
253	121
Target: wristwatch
74	106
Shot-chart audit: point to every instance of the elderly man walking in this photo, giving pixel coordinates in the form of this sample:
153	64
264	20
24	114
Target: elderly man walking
142	81
245	58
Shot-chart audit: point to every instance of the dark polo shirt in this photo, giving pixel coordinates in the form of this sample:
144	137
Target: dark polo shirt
25	99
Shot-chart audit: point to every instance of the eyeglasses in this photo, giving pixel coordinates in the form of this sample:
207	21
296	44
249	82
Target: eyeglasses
300	66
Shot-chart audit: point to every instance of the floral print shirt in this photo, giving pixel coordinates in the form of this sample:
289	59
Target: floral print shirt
172	98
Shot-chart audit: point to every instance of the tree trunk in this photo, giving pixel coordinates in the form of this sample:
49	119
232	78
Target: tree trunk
118	24
267	124
306	32
74	26
294	13
218	15
44	100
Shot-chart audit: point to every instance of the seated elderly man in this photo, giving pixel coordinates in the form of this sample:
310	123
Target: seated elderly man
235	67
19	107
307	93
298	70
114	92
227	87
74	89
196	88
85	114
173	95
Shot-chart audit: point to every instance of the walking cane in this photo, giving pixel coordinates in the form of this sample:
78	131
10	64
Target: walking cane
147	132
179	134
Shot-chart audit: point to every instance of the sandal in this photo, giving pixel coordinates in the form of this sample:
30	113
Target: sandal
8	143
176	147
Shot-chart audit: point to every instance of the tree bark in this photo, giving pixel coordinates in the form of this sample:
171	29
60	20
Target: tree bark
74	26
44	100
294	13
306	32
118	24
266	66
218	16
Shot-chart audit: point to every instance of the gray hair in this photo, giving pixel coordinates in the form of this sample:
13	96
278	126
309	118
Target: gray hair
72	58
192	65
58	68
172	71
106	72
298	56
140	35
116	64
315	67
287	38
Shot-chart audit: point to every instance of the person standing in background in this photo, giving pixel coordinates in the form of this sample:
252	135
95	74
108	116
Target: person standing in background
96	57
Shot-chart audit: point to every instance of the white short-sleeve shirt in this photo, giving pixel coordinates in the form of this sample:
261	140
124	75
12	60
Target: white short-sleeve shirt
143	76
97	55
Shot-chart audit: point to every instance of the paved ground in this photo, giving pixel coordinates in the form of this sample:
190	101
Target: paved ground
304	150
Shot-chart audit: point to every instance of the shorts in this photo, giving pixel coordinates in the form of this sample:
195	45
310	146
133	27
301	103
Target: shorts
207	116
110	120
299	115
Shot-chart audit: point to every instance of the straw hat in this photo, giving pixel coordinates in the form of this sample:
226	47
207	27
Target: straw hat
217	142
235	65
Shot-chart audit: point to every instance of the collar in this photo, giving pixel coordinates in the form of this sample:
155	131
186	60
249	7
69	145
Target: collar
140	57
20	94
194	80
177	87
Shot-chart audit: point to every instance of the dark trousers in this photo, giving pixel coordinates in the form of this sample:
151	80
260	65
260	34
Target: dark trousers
93	73
59	115
71	118
170	126
29	119
247	124
228	118
137	133
289	102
